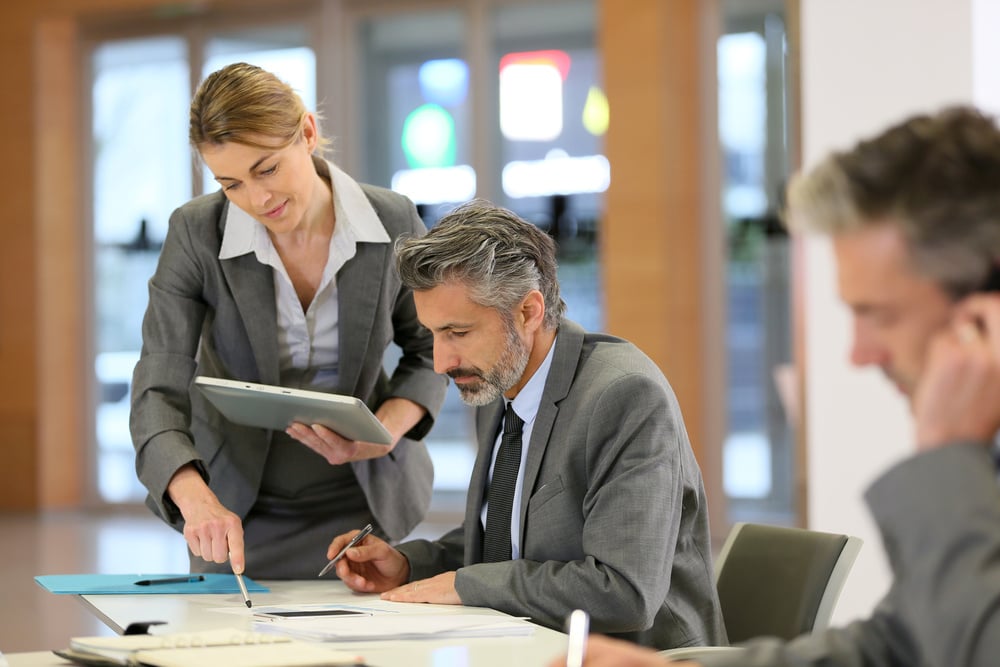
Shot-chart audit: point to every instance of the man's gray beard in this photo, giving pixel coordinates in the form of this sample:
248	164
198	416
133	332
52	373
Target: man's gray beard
506	372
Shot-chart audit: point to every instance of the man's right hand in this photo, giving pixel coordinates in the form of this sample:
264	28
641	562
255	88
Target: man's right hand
607	652
371	566
955	398
212	531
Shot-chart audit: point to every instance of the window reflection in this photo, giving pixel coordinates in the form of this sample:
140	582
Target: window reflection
142	172
429	137
546	117
742	122
552	115
757	454
139	176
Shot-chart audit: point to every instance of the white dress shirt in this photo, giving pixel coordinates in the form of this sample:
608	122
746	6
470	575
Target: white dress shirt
308	339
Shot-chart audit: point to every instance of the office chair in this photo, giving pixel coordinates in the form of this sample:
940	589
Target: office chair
778	582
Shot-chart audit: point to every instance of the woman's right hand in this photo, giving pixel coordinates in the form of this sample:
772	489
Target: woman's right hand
211	531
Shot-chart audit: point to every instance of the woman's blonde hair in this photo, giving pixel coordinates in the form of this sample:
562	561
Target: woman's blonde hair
243	103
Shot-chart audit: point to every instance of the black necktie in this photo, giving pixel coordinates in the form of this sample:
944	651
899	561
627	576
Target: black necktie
496	540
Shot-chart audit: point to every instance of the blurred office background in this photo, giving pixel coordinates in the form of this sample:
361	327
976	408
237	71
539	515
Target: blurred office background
652	138
522	124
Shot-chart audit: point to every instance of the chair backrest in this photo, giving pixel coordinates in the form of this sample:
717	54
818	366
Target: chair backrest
781	582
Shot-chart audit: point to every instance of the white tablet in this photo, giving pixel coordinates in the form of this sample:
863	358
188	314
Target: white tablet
268	406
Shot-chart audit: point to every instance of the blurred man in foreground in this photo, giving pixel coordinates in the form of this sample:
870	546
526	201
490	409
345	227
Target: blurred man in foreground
914	217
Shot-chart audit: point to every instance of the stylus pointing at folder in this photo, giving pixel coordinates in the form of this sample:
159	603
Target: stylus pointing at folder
243	588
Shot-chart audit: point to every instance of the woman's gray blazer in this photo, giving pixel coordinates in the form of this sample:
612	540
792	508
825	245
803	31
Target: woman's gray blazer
215	317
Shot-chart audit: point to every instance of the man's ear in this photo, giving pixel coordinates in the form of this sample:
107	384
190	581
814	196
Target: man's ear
532	310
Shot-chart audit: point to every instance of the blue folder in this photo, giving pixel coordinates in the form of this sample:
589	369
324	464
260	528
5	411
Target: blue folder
125	584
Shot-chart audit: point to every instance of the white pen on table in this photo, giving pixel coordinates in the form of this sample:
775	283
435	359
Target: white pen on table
576	645
354	540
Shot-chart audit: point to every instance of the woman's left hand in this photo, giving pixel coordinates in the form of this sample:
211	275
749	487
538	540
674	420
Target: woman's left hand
332	447
398	415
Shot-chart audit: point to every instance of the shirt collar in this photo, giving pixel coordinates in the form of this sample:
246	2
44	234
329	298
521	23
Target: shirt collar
352	206
354	214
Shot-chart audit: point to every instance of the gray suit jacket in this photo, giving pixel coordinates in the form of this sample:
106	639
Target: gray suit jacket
939	516
218	318
613	517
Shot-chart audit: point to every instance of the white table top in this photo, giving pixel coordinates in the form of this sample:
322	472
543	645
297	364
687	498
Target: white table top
185	613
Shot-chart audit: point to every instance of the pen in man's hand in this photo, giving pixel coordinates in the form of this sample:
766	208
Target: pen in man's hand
189	579
354	540
243	588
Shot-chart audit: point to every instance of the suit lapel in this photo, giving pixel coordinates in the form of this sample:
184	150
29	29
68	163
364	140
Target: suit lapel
359	283
568	344
252	286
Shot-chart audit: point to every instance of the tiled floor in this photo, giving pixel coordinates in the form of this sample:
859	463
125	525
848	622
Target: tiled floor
125	541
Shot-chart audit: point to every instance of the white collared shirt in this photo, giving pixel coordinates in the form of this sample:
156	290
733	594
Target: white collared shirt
525	405
308	342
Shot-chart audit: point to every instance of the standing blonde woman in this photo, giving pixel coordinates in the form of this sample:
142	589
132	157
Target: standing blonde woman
284	276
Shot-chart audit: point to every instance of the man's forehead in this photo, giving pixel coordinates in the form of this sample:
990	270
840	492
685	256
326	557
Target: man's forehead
875	267
448	305
871	253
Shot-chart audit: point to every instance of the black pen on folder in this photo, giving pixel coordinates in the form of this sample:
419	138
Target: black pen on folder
189	579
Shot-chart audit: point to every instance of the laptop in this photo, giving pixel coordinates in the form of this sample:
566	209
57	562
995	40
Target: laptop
273	407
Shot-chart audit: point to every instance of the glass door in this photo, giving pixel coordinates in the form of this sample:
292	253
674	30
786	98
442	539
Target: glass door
551	115
142	170
516	115
138	84
758	454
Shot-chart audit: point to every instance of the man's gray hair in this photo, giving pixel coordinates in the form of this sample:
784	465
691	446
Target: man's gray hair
496	254
936	177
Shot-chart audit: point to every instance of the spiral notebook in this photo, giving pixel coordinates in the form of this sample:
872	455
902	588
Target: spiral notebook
207	648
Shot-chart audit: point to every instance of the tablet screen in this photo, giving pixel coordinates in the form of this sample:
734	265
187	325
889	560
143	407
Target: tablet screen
274	407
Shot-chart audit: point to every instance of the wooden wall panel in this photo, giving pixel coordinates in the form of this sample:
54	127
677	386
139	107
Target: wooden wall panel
18	268
62	283
662	253
41	271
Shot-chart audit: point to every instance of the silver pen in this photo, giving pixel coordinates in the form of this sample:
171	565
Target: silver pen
354	540
243	588
576	646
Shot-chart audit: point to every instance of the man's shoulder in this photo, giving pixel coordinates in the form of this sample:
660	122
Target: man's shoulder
602	359
616	355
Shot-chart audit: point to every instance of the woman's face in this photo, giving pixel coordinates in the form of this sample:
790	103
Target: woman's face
277	187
